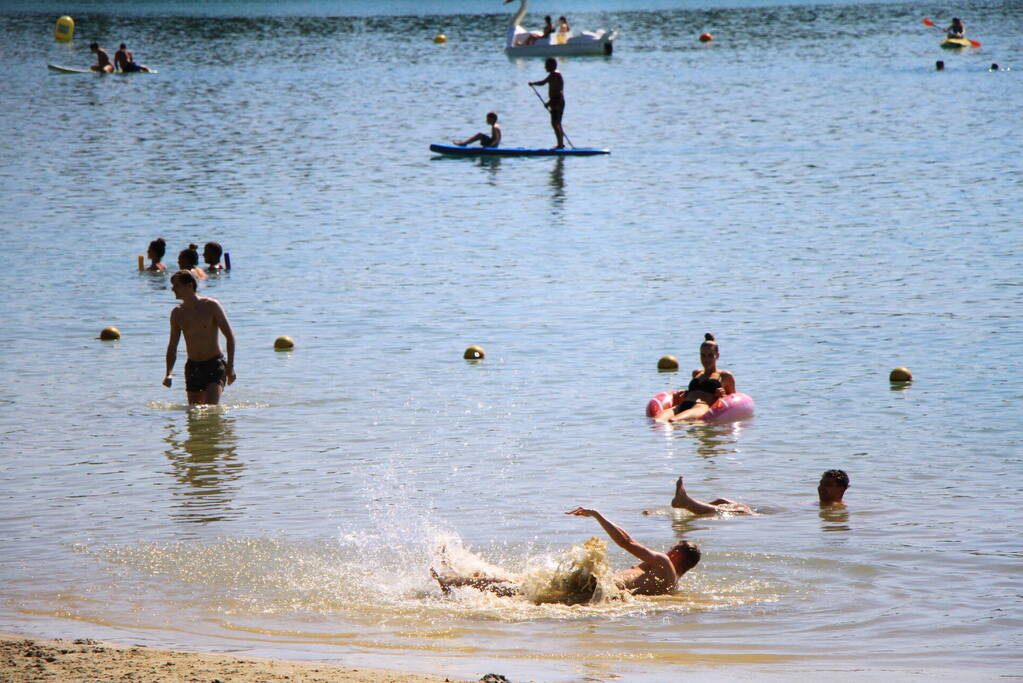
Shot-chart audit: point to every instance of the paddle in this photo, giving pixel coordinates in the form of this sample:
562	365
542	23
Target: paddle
567	139
928	22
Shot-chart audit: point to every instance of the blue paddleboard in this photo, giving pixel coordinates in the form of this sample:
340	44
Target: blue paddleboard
455	150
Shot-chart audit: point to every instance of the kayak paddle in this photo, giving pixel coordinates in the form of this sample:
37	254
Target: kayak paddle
928	22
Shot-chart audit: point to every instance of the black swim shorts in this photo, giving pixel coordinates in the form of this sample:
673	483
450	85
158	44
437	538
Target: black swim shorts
200	374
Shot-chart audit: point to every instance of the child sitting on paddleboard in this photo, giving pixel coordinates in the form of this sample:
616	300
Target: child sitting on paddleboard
492	140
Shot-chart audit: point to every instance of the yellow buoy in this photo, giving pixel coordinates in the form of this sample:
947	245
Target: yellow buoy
284	343
440	39
706	37
667	363
900	374
474	353
65	29
110	334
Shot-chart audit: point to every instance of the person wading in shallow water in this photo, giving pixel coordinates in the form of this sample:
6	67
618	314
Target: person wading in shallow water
656	574
201	320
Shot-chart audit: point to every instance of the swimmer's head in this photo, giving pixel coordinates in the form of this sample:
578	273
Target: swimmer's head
709	347
184	278
157	248
212	252
832	486
684	557
188	258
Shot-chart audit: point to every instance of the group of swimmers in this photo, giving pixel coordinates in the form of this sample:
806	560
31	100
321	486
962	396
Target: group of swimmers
555	104
188	259
124	61
657	573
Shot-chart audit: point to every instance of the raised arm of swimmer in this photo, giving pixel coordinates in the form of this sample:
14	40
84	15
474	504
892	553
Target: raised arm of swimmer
622	538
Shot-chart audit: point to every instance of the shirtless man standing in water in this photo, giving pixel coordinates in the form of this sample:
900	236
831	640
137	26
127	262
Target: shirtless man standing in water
656	574
201	319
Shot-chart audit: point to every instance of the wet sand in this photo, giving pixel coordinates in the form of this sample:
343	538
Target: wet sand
24	659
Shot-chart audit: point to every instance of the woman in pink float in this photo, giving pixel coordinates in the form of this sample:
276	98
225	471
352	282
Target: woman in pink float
707	385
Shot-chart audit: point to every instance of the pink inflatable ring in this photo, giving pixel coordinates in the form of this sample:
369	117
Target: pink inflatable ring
737	406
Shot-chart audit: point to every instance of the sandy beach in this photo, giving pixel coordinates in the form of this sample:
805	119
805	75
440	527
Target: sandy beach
35	659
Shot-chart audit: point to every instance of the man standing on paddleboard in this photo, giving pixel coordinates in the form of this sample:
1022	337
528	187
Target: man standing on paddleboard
201	319
555	98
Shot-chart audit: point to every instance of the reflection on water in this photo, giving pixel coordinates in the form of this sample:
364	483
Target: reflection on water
711	439
204	461
557	182
835	518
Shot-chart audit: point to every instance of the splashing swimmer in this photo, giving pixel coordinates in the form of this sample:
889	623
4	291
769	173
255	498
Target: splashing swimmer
656	574
201	319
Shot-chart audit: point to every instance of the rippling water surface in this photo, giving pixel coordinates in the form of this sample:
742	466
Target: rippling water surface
807	187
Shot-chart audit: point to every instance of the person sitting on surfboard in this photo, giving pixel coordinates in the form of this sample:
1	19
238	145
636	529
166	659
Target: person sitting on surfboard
125	61
957	29
102	59
707	385
555	98
656	574
492	140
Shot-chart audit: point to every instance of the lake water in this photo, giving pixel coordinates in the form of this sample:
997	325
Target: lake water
807	187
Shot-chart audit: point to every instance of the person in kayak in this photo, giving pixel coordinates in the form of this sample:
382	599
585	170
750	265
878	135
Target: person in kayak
555	98
492	140
957	29
125	61
103	63
656	574
707	385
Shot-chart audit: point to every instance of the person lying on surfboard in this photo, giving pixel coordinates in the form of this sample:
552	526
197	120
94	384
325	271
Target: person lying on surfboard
125	61
492	140
102	59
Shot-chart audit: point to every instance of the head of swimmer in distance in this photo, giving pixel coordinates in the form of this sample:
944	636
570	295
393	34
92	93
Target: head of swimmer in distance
832	486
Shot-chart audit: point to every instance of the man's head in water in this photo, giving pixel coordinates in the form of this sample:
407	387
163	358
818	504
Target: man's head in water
684	556
181	280
832	486
212	252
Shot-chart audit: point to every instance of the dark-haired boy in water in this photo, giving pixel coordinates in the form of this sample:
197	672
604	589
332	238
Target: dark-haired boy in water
492	140
188	259
125	61
656	574
555	98
717	506
201	320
